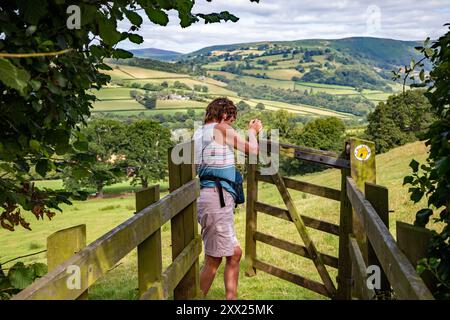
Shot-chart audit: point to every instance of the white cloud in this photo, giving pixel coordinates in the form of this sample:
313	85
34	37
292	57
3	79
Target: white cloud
279	20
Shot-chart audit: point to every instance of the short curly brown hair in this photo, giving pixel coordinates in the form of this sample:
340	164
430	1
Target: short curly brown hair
218	107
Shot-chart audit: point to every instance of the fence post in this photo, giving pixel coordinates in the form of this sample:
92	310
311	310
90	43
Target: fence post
184	227
63	244
378	197
363	169
344	278
250	221
413	241
149	253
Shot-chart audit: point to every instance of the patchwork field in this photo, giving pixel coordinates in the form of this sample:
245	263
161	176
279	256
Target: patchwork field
117	99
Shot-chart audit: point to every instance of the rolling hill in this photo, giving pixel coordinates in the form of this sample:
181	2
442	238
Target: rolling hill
157	54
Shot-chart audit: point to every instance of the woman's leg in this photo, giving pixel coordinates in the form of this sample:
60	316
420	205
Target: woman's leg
231	274
208	272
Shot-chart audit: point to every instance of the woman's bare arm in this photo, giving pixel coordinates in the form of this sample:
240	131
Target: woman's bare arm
223	133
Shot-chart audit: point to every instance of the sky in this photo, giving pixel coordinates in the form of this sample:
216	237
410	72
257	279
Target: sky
279	20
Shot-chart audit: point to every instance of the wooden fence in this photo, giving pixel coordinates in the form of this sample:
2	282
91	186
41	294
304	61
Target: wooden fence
363	232
364	238
70	275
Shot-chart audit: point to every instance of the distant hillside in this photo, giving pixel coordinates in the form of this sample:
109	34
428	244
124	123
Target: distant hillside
157	54
382	52
362	63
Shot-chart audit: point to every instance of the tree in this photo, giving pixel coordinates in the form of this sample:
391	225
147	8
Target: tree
243	106
149	101
260	106
106	138
399	120
324	134
146	151
45	77
432	178
164	84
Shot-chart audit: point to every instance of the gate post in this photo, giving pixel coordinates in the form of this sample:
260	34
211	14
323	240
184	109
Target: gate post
344	278
149	251
184	227
63	244
362	170
250	221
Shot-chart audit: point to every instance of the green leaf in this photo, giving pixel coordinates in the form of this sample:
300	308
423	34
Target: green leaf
408	180
423	217
122	54
434	262
414	165
40	269
35	85
81	145
34	144
33	11
21	276
134	17
108	32
42	167
157	16
429	52
442	166
420	269
422	75
416	194
13	76
135	38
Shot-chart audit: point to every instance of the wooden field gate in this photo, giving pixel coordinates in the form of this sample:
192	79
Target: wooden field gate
364	238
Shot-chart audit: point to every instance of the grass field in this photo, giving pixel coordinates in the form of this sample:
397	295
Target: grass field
100	215
126	72
302	109
117	99
280	74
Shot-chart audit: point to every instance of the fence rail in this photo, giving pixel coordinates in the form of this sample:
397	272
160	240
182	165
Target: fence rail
401	274
142	231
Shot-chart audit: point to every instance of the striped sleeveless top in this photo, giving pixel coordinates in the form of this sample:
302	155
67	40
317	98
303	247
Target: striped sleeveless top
213	158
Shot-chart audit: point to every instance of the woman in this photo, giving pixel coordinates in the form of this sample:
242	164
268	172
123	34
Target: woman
215	143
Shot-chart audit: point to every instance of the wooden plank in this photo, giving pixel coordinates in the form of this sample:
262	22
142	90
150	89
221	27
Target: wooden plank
62	245
400	272
102	254
414	241
293	248
308	221
250	219
363	169
303	153
175	272
378	197
344	278
359	273
184	227
307	187
292	277
325	160
301	228
149	252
